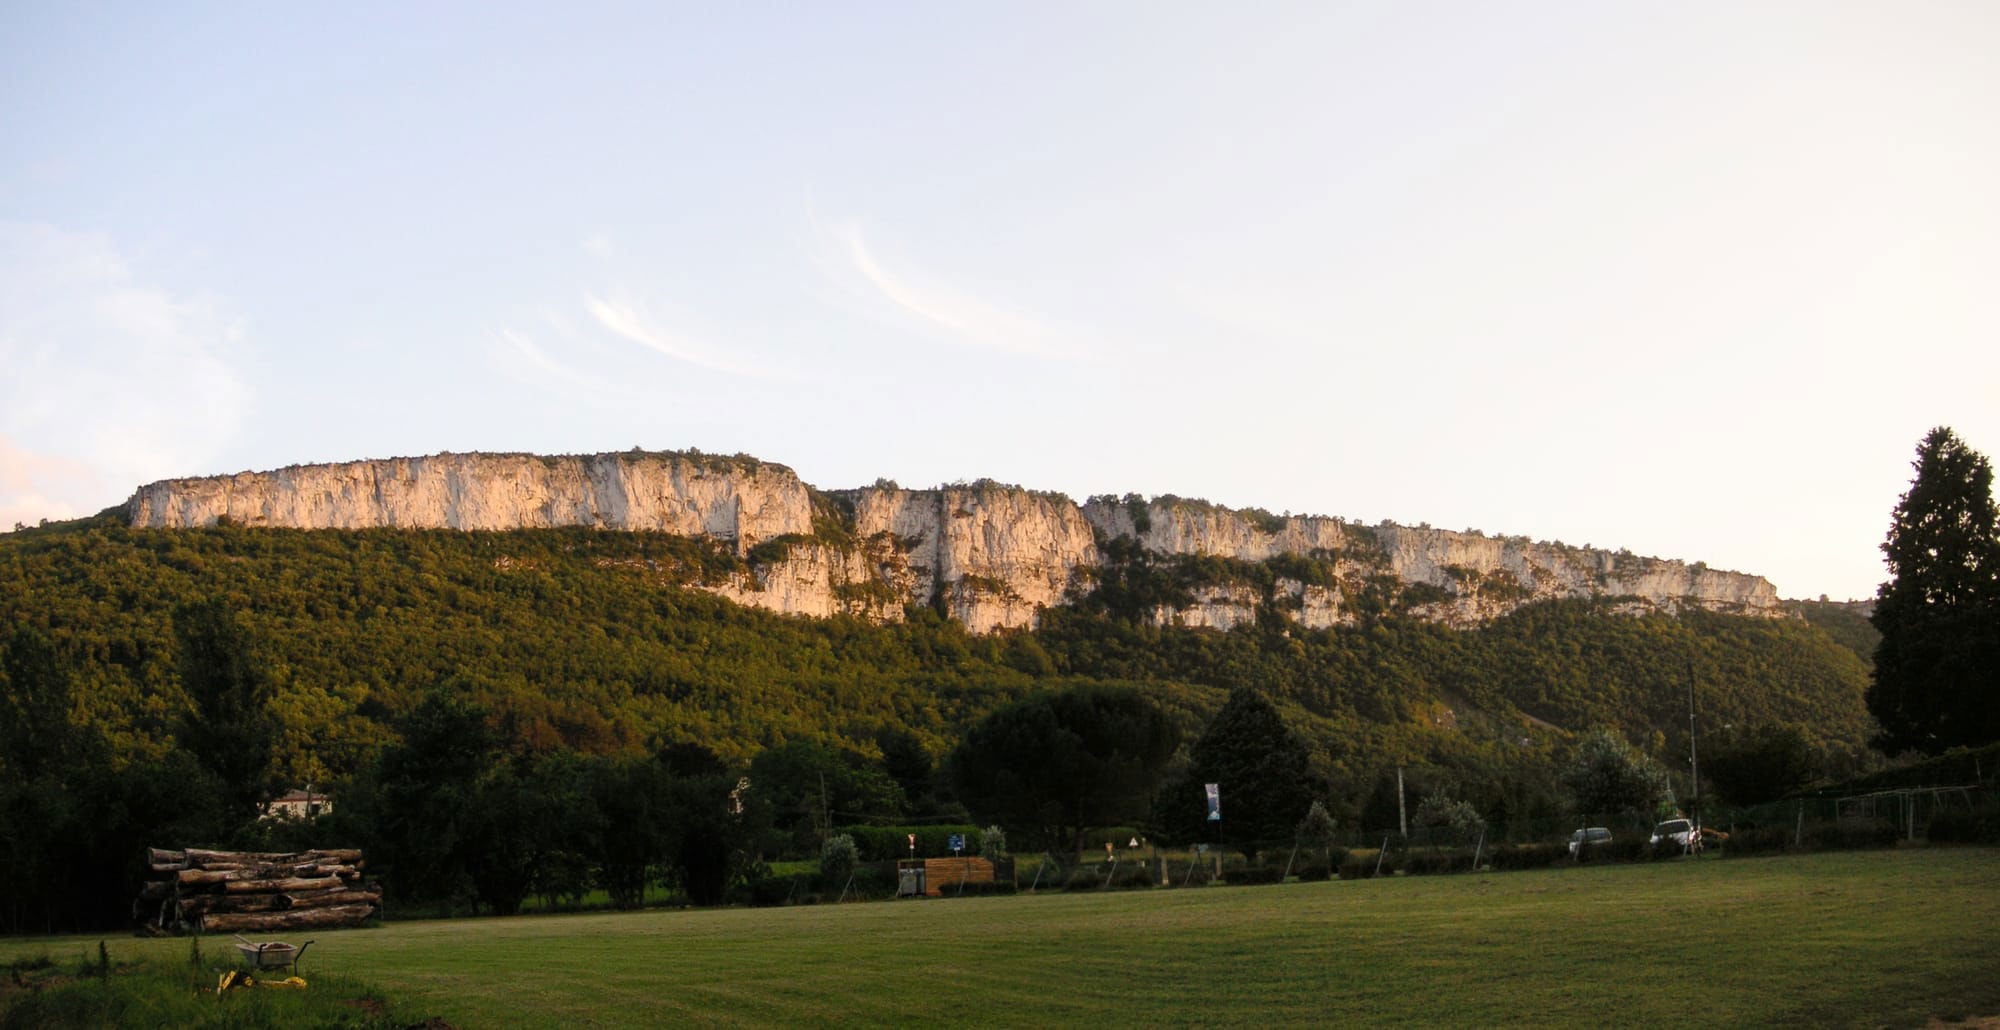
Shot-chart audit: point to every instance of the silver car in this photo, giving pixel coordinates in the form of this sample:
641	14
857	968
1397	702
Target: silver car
1588	835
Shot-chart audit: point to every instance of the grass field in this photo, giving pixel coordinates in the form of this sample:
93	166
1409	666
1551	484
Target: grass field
1858	938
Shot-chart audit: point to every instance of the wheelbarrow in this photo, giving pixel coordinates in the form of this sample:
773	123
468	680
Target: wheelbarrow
271	954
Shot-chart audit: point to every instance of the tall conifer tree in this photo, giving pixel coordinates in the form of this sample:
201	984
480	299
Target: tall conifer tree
1937	669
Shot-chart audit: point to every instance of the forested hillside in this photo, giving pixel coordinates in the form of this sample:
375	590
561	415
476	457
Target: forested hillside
579	639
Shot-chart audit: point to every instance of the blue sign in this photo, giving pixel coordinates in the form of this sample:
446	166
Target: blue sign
958	842
1214	802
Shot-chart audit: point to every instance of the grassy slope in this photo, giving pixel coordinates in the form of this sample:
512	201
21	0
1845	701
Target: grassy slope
1866	938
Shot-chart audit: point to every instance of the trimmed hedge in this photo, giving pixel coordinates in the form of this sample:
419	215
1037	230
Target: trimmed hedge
1427	861
1977	826
888	843
1528	856
1254	874
1850	836
1763	840
1314	873
765	891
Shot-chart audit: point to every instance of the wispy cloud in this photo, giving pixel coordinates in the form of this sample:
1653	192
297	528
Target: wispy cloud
530	363
964	317
109	382
630	322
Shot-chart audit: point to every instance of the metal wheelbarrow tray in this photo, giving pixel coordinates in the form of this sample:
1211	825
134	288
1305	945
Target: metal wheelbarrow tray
271	954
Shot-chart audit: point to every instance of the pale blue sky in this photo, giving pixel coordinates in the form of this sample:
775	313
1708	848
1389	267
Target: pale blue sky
1690	279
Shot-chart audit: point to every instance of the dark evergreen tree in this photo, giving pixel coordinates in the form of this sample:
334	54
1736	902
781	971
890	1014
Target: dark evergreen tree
909	763
1262	768
1937	669
428	795
37	691
230	726
1759	763
1049	766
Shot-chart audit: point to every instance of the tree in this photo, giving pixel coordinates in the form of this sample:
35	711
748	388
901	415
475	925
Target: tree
37	691
1608	776
631	795
1451	820
428	790
1760	763
802	788
1262	768
1317	829
1054	764
1937	669
908	762
706	837
230	726
836	858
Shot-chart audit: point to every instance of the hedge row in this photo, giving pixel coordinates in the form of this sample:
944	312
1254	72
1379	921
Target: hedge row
1961	826
888	843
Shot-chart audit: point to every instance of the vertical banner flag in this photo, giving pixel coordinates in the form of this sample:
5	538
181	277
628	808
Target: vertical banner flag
1214	802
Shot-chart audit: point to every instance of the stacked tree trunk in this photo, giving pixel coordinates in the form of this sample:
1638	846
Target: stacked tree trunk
229	891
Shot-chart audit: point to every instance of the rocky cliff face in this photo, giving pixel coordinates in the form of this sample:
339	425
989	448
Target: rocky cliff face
738	500
991	556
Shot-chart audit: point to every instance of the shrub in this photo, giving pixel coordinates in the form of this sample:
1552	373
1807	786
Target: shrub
1438	860
1455	821
1132	875
836	858
1623	849
1960	826
1528	856
1356	868
1255	874
888	843
1846	836
1664	850
1314	873
874	880
1084	878
1335	855
1760	841
765	891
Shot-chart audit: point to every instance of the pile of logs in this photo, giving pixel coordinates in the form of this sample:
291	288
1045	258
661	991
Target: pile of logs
228	891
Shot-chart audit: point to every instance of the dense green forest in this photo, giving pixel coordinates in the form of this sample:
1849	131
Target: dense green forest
543	712
581	640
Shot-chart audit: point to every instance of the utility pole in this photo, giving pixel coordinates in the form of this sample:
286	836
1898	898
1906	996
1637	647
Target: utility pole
1694	760
1402	816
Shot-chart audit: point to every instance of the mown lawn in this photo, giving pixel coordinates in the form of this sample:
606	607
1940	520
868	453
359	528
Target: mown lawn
1862	938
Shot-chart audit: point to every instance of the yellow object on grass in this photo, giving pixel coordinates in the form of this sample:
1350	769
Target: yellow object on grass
236	978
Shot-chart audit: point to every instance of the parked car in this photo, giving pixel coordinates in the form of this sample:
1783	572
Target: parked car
1678	831
1587	835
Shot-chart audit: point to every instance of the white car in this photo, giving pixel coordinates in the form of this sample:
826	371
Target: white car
1678	831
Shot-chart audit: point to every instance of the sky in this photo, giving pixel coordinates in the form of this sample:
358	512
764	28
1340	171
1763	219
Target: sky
1689	279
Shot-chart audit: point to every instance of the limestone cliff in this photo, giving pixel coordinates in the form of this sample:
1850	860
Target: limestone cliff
739	500
990	555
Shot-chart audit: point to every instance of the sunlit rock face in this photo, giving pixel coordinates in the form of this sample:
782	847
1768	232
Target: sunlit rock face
666	493
992	556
